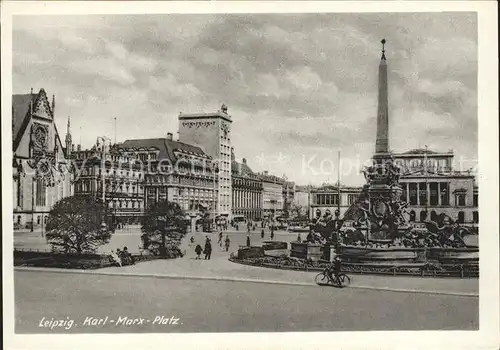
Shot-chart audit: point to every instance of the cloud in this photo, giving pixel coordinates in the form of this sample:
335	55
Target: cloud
105	68
304	85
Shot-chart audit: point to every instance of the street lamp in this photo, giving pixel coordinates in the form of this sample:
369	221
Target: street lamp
215	172
103	168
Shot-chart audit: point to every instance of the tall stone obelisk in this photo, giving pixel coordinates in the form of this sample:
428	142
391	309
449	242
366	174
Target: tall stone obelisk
382	141
378	208
383	177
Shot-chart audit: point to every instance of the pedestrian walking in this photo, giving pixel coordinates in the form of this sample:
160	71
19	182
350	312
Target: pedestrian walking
198	251
262	234
272	234
208	249
299	239
228	242
248	240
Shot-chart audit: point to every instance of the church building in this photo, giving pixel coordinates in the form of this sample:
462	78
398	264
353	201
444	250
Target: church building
40	165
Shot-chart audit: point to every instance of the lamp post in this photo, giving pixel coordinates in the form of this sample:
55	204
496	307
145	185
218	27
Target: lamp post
215	202
32	203
103	168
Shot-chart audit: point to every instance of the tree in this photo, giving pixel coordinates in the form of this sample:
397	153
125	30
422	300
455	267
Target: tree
75	225
163	228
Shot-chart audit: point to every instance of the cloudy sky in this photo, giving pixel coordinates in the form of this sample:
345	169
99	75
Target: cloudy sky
299	87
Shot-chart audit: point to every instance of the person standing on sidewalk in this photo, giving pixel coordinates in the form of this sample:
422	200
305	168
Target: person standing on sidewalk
248	240
198	251
272	234
228	242
262	234
208	249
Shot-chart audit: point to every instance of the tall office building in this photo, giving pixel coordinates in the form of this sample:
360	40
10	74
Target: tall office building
212	133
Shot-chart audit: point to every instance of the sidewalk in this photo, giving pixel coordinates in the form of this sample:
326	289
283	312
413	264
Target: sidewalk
220	268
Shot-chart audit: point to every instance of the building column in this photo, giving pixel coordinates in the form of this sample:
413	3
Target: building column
418	193
407	185
428	186
439	193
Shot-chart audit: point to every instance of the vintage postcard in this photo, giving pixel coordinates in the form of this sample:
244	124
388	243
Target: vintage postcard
250	174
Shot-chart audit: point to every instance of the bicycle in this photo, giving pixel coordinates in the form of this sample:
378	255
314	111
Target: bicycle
341	280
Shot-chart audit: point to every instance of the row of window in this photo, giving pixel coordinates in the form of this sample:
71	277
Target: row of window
125	204
327	199
419	162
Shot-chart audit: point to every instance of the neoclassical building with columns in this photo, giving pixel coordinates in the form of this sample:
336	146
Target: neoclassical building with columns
431	186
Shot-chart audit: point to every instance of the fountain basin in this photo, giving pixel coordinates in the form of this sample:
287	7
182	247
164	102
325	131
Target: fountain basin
396	254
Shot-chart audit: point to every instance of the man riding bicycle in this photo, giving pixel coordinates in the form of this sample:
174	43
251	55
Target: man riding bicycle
334	270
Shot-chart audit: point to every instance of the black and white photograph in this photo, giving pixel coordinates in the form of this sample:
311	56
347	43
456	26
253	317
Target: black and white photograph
247	170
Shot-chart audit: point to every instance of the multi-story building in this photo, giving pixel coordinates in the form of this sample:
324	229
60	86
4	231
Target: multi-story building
272	195
141	172
122	175
301	196
327	197
430	187
212	133
247	190
41	169
302	199
177	172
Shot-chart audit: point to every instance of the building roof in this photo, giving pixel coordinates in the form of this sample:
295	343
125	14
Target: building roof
219	114
245	169
166	147
271	178
20	113
421	151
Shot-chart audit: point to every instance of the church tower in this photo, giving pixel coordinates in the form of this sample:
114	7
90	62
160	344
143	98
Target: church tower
68	140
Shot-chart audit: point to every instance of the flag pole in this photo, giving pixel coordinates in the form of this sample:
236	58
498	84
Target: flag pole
338	183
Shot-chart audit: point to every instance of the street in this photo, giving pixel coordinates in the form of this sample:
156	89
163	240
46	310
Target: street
215	306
